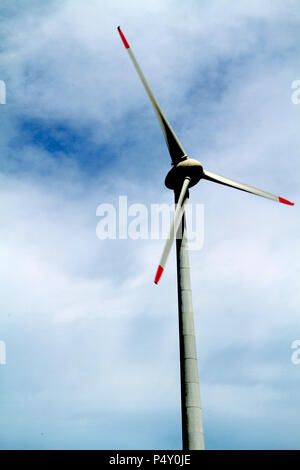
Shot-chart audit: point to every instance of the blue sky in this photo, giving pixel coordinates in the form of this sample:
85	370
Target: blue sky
92	343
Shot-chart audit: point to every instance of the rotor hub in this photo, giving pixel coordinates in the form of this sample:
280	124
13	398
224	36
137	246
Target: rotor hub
186	168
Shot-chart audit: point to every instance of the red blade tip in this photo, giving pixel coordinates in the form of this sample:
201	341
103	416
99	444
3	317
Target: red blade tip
284	201
123	38
159	272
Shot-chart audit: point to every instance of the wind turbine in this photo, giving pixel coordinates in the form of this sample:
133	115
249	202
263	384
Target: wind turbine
185	173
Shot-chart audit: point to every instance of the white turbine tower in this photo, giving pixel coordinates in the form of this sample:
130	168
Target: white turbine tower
185	173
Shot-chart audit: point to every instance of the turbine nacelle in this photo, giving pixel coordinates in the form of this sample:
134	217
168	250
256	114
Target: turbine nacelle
186	168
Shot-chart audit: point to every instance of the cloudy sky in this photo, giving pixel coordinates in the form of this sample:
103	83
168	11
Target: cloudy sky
91	342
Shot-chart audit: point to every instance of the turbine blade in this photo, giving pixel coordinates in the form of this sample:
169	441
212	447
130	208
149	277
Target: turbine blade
210	176
173	229
175	148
